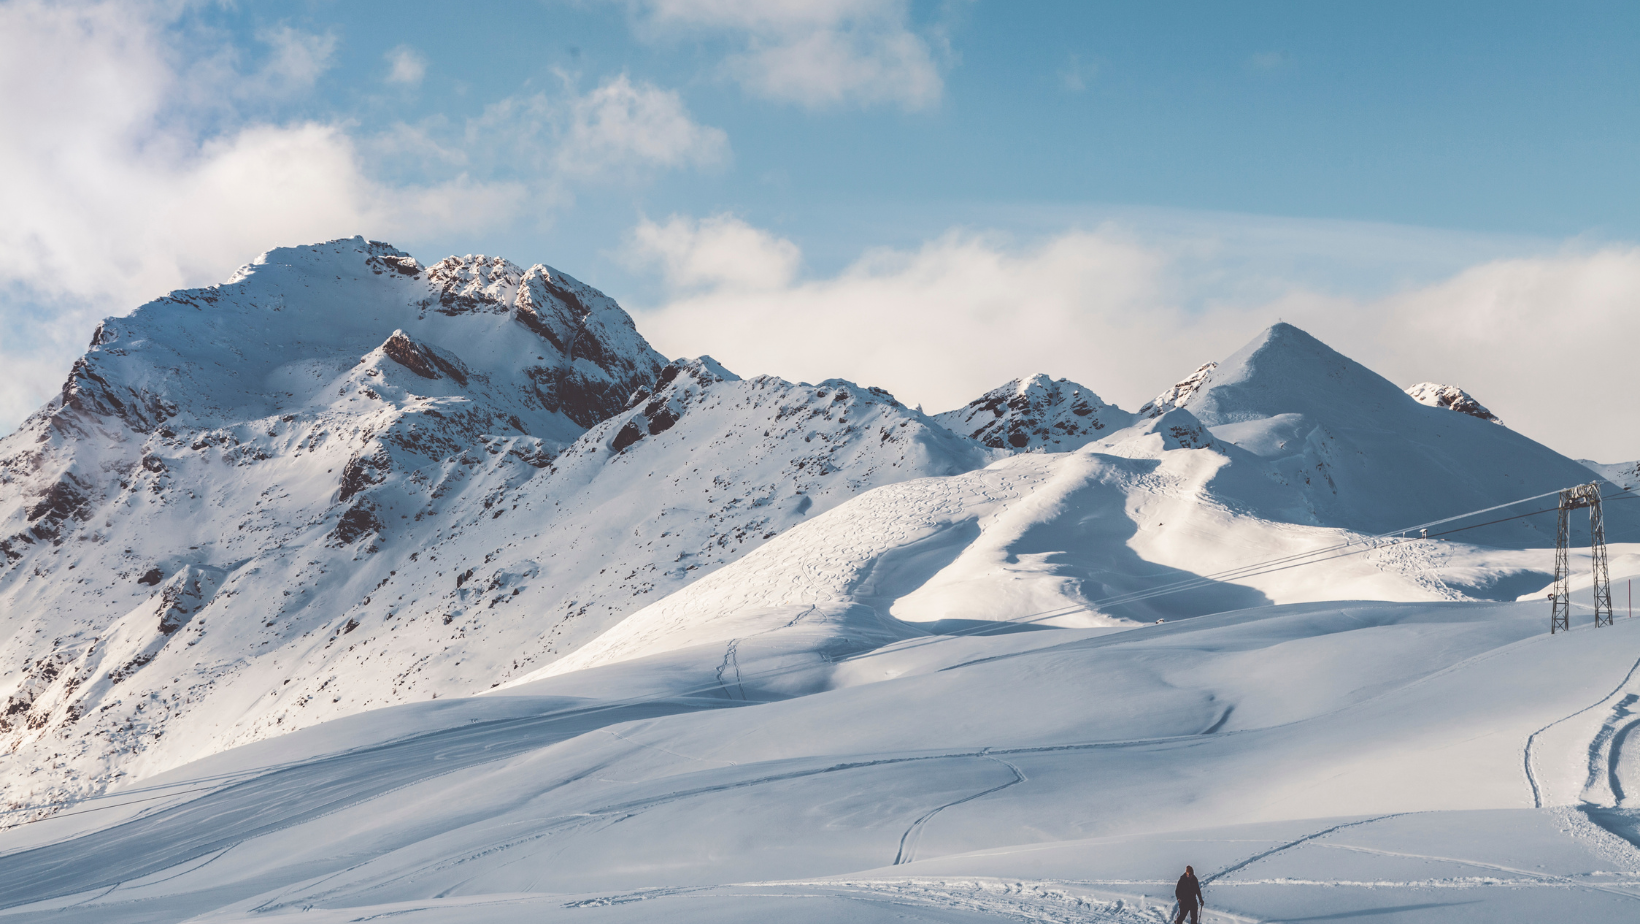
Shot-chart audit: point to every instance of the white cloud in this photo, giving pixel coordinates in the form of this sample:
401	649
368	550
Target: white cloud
1543	341
111	193
721	252
817	53
406	65
936	325
623	125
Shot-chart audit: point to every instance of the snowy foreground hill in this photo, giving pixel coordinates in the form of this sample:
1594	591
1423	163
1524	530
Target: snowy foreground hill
358	588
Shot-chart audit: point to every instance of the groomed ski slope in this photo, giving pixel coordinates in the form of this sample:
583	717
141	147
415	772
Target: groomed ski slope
1417	761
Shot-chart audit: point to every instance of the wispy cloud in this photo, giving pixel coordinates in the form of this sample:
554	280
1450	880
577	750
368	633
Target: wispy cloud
817	53
623	125
406	66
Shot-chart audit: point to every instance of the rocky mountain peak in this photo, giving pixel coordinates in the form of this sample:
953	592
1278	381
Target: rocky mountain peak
474	282
1452	398
1179	393
1036	414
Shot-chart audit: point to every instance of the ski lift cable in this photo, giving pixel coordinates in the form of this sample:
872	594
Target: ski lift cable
1253	570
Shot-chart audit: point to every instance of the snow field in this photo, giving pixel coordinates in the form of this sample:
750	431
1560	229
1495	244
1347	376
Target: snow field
1311	759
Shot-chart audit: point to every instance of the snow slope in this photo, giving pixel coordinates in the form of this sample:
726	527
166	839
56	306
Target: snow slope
1035	415
1622	474
341	482
1398	761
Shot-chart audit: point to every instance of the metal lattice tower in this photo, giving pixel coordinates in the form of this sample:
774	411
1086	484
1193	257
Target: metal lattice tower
1560	617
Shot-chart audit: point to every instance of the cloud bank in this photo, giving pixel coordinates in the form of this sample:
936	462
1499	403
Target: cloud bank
1543	341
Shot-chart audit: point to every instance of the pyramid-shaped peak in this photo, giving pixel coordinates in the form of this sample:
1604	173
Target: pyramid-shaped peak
1285	370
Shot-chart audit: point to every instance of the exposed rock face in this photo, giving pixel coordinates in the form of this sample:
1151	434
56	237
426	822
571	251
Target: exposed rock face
1452	398
1036	414
421	359
1180	393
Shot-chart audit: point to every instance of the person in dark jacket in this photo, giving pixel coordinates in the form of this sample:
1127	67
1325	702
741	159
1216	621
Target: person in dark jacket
1189	894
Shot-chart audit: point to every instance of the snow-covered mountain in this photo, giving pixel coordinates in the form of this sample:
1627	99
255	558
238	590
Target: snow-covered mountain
1622	474
340	481
1452	398
1036	414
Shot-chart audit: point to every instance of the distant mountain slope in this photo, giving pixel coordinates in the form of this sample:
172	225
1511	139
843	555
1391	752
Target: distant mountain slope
1622	474
341	481
1036	414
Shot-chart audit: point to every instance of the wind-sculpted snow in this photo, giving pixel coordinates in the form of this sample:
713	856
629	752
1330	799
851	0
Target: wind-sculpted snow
340	482
1036	414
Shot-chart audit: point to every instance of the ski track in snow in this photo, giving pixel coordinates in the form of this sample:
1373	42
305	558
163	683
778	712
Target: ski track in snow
908	840
1531	778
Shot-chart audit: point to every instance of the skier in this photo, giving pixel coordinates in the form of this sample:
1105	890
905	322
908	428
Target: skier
1189	894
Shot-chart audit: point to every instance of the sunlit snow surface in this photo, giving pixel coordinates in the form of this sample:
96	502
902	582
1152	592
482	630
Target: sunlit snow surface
1398	761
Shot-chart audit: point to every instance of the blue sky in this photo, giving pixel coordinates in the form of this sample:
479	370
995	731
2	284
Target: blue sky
1113	192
